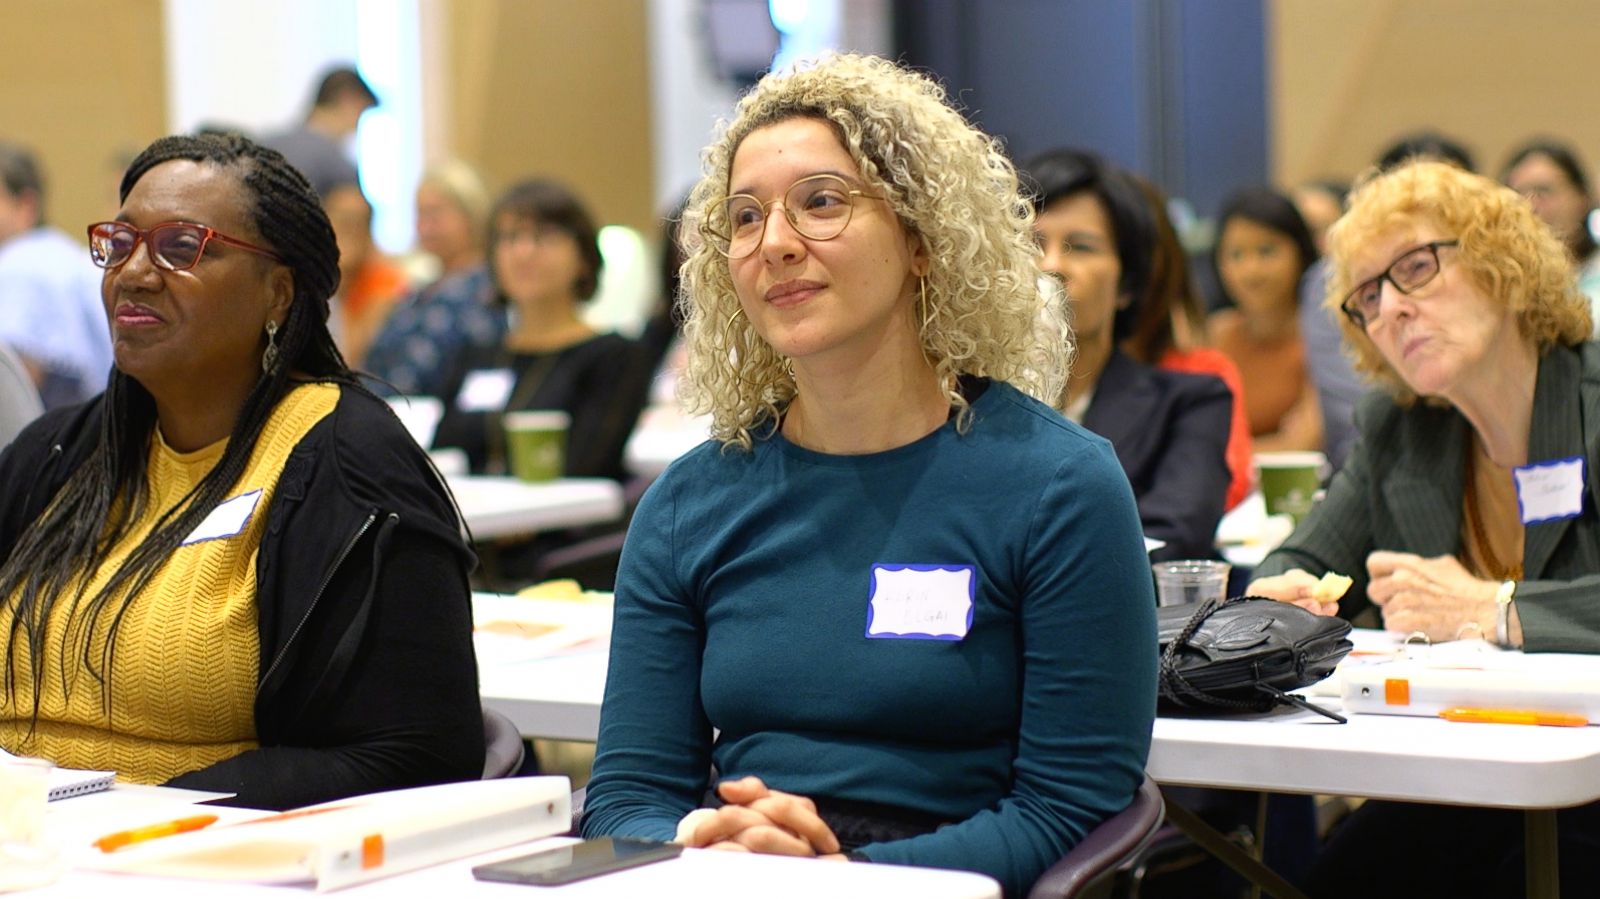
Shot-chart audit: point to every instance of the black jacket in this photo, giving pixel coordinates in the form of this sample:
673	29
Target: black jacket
1170	432
368	679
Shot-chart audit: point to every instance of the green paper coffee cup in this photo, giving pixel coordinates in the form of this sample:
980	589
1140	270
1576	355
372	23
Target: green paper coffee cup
1290	481
536	444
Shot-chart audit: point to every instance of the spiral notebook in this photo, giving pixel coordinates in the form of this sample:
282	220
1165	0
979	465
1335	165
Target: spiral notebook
65	782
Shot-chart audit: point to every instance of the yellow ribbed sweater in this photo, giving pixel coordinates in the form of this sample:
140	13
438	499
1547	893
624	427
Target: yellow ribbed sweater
188	653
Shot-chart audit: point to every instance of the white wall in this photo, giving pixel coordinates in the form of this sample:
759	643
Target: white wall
254	66
687	98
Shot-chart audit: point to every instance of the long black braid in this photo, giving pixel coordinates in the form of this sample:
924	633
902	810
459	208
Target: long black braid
55	557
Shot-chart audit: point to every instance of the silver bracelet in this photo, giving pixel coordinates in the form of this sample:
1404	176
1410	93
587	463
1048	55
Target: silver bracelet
1502	612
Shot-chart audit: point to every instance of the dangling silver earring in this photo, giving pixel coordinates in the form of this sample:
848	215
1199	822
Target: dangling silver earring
269	358
927	311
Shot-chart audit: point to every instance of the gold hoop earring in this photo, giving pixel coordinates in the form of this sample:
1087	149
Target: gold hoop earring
927	308
269	357
727	326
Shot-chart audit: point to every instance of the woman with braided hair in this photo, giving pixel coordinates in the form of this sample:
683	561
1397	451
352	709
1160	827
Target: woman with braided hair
231	570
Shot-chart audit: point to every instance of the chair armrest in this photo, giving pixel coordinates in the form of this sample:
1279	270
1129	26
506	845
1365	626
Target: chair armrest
1113	842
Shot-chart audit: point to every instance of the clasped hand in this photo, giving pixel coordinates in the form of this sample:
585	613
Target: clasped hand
1436	596
758	819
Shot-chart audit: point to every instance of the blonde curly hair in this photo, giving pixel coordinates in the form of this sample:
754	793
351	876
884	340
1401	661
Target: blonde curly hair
950	185
1505	250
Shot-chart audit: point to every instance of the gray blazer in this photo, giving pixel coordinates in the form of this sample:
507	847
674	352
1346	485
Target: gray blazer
1401	490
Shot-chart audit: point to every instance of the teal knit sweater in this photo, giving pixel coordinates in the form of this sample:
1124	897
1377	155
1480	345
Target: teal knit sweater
741	638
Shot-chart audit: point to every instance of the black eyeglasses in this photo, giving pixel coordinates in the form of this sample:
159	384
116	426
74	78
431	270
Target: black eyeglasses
818	207
1415	267
174	246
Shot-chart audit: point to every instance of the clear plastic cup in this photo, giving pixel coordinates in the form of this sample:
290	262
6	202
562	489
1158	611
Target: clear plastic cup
27	858
1190	581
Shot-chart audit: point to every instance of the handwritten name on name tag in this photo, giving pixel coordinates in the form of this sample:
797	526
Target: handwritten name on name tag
921	602
1550	490
228	519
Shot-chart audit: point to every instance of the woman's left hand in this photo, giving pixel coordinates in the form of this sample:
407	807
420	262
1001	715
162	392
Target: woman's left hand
1436	596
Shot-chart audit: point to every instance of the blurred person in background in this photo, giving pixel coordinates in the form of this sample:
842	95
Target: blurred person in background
1263	249
50	312
1549	175
1321	202
452	218
544	256
320	146
1169	430
423	334
660	341
369	282
1169	332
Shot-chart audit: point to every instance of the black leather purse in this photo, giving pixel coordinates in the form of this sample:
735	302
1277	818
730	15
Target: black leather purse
1245	654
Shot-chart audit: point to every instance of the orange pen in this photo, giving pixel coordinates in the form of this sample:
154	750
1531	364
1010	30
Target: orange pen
115	841
1514	716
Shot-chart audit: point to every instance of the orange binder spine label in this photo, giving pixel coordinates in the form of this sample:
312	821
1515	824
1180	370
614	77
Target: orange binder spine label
371	851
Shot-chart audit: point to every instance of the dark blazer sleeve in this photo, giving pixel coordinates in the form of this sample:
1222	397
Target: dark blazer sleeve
1399	489
1170	432
1344	527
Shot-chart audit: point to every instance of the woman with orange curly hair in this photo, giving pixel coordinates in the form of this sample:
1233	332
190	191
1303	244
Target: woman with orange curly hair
1467	507
1454	295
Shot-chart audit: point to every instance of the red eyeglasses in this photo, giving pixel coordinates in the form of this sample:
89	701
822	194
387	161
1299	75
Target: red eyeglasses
174	246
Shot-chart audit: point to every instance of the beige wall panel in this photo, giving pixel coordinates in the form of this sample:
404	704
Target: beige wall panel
560	89
1349	75
81	81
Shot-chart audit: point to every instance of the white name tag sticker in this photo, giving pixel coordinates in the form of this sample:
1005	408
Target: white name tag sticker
1547	491
921	602
228	519
485	390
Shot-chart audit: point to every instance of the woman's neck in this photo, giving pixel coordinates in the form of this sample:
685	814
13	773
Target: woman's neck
865	409
1499	404
193	419
460	261
547	326
1088	363
1270	326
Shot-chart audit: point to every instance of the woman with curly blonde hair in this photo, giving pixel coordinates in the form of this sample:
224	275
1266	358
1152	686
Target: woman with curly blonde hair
1470	513
899	602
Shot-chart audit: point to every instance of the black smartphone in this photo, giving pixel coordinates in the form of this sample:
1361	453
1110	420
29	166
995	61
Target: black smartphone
589	858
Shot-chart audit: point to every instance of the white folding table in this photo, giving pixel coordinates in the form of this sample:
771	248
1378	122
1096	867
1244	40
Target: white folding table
506	507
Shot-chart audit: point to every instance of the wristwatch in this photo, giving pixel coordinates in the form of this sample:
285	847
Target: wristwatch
1502	612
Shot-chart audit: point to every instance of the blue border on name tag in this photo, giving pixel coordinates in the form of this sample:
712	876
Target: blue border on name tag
972	600
1583	482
